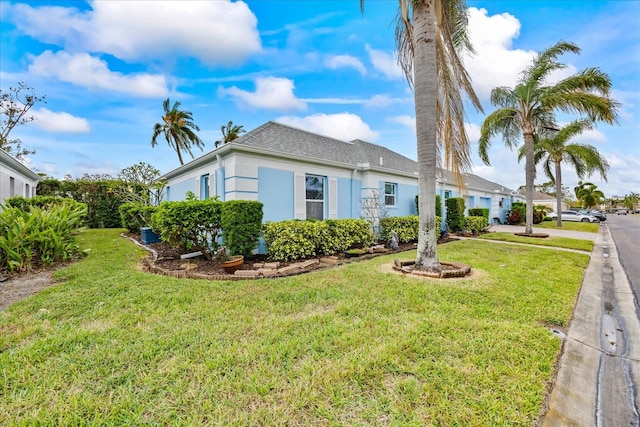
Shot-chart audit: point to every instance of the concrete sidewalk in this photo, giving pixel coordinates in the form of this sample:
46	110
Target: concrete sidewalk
596	384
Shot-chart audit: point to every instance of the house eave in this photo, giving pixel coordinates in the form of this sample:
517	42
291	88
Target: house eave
231	147
14	163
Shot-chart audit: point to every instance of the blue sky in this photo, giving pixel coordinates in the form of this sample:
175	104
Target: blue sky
106	67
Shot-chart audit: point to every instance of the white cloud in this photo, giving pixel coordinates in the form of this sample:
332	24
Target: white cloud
342	126
216	32
495	62
473	132
84	70
345	61
272	93
385	63
60	122
383	101
407	121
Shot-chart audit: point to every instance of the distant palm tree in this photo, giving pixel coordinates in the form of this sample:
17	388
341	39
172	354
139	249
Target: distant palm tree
229	133
580	186
178	129
528	109
553	150
590	196
430	34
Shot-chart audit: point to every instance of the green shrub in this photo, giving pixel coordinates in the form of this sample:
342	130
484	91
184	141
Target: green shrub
295	239
241	225
348	234
406	227
538	216
513	217
190	225
290	240
39	236
134	216
44	202
479	212
455	213
521	208
475	224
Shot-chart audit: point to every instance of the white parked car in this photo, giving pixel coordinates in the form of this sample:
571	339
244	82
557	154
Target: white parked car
574	216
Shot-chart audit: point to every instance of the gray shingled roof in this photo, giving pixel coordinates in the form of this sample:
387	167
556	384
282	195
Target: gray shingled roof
287	140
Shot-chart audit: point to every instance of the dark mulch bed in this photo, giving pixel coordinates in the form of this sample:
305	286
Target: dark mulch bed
169	258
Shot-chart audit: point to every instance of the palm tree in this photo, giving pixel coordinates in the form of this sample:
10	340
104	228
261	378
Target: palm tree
429	36
631	201
528	109
590	196
552	151
229	133
579	187
178	129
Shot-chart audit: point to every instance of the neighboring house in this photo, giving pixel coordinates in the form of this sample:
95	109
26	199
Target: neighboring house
301	175
15	178
543	199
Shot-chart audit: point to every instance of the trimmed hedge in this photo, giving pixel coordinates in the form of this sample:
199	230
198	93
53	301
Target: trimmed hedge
295	239
406	227
241	225
44	202
192	225
455	213
475	224
479	212
199	225
134	216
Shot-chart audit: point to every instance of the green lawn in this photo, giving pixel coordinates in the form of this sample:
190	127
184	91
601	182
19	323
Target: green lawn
588	227
553	241
353	345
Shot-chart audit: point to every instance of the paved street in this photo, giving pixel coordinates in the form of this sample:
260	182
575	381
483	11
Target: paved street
597	383
625	230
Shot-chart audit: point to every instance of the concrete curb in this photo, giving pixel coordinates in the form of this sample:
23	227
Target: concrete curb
599	365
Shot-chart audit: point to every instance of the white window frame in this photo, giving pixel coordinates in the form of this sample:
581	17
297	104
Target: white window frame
393	196
322	201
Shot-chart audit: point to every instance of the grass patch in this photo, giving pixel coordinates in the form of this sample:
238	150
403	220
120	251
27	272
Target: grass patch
587	227
552	241
346	346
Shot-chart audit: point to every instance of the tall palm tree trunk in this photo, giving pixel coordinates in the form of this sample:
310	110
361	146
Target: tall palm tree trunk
559	193
530	172
426	96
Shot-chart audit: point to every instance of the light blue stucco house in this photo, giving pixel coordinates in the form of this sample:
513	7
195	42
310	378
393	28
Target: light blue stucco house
300	175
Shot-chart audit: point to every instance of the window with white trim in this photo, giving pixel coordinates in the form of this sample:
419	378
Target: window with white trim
204	187
390	192
314	194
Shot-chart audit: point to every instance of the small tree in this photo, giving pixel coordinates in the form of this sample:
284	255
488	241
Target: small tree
372	210
141	184
14	106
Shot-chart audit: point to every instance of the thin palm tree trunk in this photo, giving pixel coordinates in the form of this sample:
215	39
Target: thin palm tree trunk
558	194
530	171
426	95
